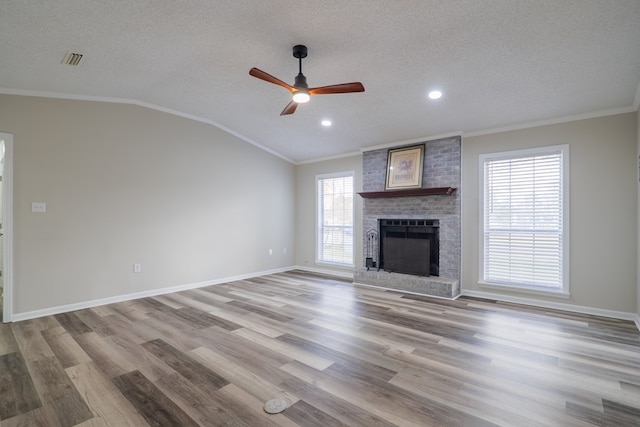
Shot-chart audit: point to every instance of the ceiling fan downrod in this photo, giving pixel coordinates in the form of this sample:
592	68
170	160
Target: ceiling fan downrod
300	51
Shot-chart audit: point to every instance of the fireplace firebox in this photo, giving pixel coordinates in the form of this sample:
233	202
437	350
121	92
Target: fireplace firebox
410	246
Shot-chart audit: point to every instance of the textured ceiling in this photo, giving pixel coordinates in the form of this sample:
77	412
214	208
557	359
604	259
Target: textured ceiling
500	63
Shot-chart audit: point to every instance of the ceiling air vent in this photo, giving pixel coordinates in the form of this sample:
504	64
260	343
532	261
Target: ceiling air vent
72	59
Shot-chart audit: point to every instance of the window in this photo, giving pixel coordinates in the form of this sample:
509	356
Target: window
524	208
335	218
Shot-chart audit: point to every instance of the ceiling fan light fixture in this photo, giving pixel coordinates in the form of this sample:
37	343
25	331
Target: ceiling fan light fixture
301	97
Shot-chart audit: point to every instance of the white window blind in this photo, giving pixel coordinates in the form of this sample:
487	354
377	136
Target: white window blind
335	219
523	198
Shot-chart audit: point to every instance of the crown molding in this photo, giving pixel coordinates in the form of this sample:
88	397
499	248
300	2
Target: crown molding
565	119
6	91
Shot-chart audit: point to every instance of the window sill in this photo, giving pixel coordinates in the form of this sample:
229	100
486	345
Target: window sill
526	290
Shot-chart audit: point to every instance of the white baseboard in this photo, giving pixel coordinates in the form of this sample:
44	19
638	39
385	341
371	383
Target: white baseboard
556	305
634	317
137	295
344	273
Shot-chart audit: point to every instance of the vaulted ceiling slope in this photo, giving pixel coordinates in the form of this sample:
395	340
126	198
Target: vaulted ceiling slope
499	63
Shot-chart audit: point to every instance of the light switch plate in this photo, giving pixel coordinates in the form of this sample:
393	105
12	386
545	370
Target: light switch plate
39	207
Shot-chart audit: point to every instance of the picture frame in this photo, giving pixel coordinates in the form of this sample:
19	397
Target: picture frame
404	168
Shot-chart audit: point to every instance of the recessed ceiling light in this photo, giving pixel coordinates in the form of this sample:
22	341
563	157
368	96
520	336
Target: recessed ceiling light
326	123
435	94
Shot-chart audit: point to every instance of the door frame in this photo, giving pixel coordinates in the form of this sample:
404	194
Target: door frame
7	227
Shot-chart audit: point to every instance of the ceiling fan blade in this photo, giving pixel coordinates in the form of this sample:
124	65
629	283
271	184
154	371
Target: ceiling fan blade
290	108
339	88
255	72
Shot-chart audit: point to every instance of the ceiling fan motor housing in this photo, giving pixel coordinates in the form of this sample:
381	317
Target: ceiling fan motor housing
301	81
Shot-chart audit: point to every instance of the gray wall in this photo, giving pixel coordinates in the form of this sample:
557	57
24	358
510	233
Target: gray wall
604	172
603	210
125	184
638	217
306	210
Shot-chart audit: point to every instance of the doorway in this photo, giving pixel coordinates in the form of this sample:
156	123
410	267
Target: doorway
6	226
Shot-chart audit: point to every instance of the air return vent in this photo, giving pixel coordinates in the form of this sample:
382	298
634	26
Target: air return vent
72	59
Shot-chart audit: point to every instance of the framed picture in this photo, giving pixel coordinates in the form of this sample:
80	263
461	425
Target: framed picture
404	168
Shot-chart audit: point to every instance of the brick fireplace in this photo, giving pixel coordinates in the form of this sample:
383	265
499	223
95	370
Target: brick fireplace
441	169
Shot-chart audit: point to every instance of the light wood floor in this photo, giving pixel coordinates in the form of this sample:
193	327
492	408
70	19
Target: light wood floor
337	353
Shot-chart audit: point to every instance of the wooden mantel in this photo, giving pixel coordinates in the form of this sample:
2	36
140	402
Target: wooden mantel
436	191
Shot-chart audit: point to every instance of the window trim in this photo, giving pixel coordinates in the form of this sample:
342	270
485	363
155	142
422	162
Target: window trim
318	224
564	290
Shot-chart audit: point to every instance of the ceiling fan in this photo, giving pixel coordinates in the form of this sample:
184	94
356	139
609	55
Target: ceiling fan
300	89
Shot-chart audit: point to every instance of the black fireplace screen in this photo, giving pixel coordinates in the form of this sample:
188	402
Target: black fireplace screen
410	246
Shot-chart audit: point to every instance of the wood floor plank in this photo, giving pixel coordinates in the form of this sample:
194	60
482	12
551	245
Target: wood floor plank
95	322
171	302
132	310
245	352
8	342
109	406
337	353
17	391
200	319
72	323
190	299
308	415
66	349
150	402
240	317
189	368
350	392
307	357
110	361
173	330
256	309
40	417
361	333
207	408
138	332
331	404
241	377
58	392
352	361
416	409
209	295
256	297
256	406
32	344
147	363
446	392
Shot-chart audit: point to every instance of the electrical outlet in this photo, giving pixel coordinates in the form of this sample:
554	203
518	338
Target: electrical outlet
270	251
137	268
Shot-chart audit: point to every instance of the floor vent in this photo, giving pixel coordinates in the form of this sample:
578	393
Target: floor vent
275	406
